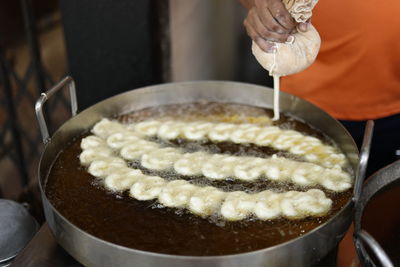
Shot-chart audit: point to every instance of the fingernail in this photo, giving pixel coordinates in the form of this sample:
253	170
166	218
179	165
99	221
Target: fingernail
290	39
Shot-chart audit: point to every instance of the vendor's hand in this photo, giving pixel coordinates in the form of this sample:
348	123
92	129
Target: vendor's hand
268	21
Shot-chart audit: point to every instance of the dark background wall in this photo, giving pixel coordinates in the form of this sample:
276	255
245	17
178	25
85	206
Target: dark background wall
110	46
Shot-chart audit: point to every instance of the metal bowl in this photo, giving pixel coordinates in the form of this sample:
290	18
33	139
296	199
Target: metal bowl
90	250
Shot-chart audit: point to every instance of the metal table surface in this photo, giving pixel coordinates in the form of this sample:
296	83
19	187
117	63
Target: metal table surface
43	251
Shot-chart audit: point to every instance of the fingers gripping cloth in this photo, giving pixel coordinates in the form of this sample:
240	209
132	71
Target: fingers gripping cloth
296	56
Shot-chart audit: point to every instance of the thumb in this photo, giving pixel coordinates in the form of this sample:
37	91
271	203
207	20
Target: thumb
303	26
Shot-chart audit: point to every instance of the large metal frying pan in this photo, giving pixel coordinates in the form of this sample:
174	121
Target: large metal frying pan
89	250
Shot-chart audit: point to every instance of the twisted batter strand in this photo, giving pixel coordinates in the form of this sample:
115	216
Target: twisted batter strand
311	148
220	166
203	201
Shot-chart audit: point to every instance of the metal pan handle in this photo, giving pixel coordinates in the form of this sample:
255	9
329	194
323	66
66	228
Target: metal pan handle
385	177
364	237
66	82
364	155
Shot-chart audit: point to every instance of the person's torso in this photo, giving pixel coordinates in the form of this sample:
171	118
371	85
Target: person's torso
357	72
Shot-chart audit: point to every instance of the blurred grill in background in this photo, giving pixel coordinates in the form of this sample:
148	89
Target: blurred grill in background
32	57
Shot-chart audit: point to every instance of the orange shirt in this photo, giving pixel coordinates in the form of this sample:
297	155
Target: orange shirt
356	75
